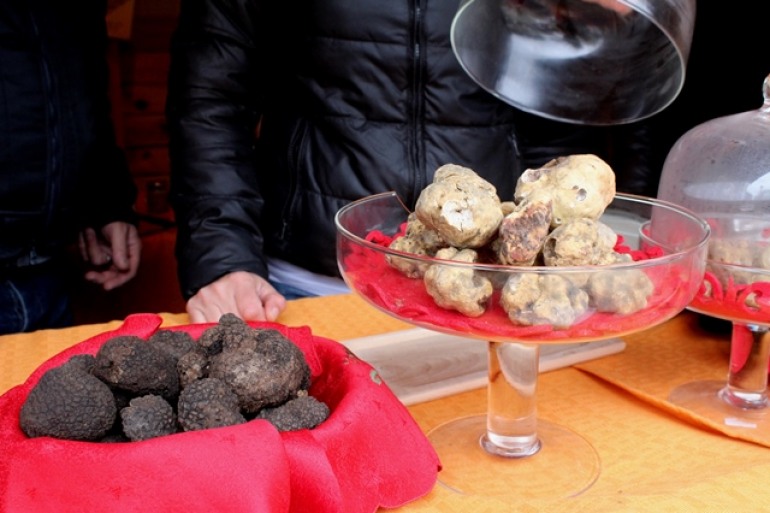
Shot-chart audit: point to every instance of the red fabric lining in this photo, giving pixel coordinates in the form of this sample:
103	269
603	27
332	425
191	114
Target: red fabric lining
729	300
393	292
369	453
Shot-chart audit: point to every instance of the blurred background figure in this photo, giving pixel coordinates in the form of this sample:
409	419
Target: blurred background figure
63	179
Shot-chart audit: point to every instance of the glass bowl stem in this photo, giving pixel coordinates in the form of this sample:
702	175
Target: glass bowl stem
749	359
511	396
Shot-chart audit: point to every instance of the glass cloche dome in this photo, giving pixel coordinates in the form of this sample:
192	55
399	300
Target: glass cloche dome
721	171
722	167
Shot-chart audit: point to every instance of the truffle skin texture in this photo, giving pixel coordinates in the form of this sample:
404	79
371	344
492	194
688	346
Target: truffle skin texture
271	374
417	240
231	332
740	252
68	403
192	367
458	288
522	233
576	185
129	363
208	403
84	362
580	242
531	299
623	292
461	206
304	412
174	343
410	267
148	417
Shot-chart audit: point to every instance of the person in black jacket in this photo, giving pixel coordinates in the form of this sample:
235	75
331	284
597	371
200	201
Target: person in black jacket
350	99
62	176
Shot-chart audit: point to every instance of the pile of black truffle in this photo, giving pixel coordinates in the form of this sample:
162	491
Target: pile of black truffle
135	389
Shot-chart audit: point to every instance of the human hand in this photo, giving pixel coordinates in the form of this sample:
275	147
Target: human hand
247	295
114	253
613	5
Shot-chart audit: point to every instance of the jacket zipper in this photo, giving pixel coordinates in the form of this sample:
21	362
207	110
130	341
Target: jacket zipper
416	124
298	140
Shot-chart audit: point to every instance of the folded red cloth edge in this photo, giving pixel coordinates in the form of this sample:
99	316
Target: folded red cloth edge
369	453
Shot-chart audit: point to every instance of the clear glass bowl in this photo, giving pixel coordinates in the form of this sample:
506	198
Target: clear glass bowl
721	170
624	298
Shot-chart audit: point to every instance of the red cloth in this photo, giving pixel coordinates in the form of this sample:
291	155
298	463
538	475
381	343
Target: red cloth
368	453
729	300
393	292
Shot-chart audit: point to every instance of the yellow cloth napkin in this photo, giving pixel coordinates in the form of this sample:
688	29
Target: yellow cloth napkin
667	359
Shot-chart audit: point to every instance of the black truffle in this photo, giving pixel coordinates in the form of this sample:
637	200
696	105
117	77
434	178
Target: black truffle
174	343
304	412
148	417
131	364
69	403
208	403
236	374
83	362
272	373
192	367
231	332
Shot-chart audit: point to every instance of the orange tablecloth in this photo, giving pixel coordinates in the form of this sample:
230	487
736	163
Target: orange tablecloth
654	456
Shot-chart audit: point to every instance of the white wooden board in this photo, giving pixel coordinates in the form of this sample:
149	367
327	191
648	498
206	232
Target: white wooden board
420	365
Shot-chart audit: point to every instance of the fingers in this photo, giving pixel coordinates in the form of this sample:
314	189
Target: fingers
208	306
128	249
82	246
265	306
274	304
116	235
246	295
199	312
92	250
121	248
613	5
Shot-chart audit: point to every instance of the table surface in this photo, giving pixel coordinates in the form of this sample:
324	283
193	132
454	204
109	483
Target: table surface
654	455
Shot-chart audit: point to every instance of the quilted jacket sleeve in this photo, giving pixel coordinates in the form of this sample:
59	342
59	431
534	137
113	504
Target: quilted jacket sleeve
212	110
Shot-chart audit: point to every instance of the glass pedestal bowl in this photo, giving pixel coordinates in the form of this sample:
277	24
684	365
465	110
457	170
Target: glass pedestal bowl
515	453
721	170
739	294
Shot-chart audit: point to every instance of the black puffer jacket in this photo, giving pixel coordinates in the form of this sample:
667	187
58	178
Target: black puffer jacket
60	169
354	97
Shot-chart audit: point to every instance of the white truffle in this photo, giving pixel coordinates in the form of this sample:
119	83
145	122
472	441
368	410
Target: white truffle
533	299
417	240
580	242
458	288
461	206
576	185
522	234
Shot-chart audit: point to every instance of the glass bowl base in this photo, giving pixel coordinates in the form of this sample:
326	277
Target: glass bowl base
704	399
565	466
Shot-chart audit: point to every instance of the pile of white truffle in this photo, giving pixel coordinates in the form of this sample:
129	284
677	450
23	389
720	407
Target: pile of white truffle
552	221
747	262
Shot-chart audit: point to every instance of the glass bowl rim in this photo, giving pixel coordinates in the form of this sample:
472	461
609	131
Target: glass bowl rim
490	267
